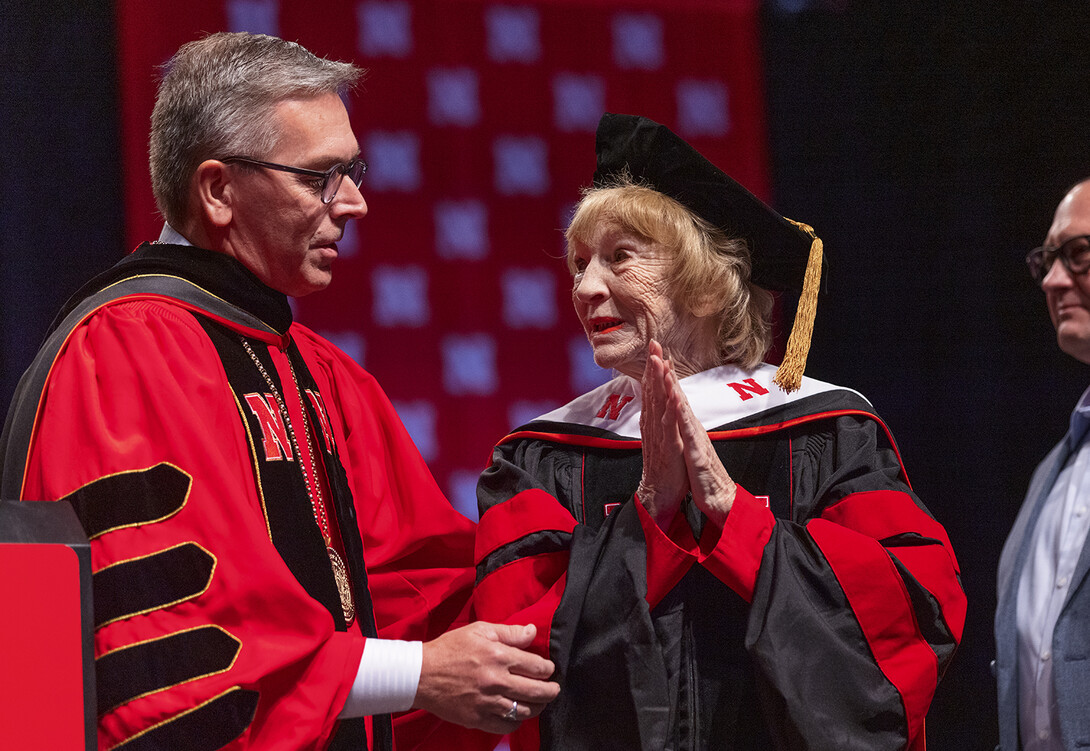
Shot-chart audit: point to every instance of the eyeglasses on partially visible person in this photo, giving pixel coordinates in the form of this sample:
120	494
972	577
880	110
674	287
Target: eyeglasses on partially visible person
1074	254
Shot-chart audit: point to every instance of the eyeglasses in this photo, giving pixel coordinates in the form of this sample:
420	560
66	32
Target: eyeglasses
1074	254
330	179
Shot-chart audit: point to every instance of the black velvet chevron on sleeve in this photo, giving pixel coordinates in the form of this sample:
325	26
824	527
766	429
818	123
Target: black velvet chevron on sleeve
157	664
130	498
210	726
152	582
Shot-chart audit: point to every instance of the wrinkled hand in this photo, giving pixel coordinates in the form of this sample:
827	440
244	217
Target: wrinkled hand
678	456
471	676
664	482
712	487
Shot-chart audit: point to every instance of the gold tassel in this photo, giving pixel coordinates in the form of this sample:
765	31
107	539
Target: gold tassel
789	374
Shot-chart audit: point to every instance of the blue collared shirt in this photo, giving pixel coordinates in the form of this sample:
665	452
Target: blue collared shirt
1054	552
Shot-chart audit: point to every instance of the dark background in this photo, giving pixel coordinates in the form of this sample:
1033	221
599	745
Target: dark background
927	142
931	143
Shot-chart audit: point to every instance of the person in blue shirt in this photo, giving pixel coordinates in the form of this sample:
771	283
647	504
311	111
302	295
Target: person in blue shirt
1042	622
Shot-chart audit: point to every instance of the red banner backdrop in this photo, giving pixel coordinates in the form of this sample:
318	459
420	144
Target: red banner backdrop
477	119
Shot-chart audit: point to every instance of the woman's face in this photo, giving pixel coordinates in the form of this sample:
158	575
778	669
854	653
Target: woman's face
621	296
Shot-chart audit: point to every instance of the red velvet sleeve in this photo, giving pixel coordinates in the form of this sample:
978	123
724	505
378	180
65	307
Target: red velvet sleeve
670	553
866	542
878	582
736	549
529	531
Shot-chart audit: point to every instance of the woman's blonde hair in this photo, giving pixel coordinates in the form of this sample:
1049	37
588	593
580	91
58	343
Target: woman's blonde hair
710	270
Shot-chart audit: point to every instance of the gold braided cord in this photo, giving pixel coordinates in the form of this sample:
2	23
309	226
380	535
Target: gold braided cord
789	374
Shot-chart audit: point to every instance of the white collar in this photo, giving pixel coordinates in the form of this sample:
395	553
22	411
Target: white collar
171	236
718	397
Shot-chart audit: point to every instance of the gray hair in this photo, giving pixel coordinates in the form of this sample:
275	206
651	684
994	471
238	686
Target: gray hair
214	101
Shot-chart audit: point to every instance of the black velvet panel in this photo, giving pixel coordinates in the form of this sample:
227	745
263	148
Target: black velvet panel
125	674
130	498
217	273
655	155
155	581
289	514
351	735
208	727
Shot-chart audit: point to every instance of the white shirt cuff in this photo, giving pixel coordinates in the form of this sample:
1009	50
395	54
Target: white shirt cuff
387	679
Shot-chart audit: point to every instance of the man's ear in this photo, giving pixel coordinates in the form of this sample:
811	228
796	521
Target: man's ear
213	192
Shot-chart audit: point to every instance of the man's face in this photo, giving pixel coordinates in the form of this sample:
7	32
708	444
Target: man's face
1068	296
280	228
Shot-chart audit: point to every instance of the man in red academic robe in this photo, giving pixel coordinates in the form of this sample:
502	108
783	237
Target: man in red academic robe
273	564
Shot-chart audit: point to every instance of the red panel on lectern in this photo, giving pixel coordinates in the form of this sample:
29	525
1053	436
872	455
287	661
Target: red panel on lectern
41	673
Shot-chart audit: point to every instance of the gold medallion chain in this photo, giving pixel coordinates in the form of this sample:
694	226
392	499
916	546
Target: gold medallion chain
314	490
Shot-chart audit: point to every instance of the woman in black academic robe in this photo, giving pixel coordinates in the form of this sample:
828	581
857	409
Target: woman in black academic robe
713	560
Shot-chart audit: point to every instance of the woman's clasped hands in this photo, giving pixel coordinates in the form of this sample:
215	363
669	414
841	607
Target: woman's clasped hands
678	456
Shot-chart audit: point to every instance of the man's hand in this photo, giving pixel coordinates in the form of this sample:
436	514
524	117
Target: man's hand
473	676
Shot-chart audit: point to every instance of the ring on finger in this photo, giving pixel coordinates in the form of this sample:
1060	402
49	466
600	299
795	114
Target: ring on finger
512	713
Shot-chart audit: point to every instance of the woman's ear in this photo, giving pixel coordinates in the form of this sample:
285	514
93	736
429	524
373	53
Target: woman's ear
705	305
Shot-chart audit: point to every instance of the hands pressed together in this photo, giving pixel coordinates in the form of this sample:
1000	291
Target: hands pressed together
474	675
678	456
